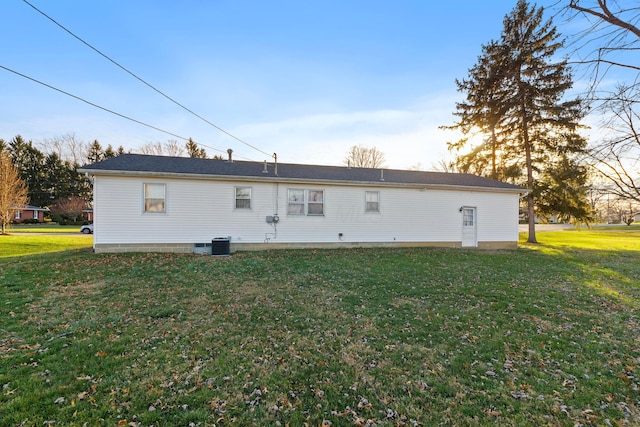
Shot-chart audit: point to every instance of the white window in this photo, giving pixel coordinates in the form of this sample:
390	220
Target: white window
305	202
315	206
296	202
17	215
243	197
467	217
372	201
154	198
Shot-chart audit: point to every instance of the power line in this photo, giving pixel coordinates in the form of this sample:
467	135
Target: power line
106	109
143	81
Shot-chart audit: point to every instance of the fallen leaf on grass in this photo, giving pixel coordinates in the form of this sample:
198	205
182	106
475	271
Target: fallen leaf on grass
492	412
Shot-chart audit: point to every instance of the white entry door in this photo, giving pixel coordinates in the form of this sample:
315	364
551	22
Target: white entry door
469	231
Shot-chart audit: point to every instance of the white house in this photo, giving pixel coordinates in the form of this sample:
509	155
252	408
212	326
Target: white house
177	204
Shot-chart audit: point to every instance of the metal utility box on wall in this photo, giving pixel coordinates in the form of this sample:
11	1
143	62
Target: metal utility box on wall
221	246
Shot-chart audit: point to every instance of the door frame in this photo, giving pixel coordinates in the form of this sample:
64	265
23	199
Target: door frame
469	238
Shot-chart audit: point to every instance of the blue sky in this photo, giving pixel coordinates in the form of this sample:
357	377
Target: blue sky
304	79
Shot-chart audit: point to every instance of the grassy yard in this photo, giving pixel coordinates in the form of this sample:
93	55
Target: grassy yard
547	334
43	228
29	244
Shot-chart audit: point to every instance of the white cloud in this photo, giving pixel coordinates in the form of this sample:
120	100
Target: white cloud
406	136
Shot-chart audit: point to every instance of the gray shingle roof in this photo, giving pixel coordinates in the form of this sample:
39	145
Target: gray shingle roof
161	165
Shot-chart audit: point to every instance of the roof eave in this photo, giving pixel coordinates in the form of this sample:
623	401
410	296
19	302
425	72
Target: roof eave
278	179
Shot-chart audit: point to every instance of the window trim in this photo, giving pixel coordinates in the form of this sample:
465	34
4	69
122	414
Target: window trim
366	202
305	201
145	198
236	199
315	203
296	203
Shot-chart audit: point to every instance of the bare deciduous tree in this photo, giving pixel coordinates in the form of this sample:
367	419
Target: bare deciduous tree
360	156
169	148
617	156
70	207
611	35
606	43
13	191
68	148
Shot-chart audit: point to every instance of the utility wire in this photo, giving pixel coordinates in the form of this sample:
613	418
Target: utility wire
106	109
143	81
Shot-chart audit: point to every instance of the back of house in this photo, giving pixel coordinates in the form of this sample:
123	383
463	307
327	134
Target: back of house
176	204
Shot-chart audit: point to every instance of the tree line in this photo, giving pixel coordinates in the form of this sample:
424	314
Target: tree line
48	176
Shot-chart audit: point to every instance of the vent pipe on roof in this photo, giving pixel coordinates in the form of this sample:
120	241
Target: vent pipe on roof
381	174
275	164
230	152
265	170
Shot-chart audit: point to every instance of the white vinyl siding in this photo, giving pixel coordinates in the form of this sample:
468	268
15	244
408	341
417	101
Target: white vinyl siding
407	214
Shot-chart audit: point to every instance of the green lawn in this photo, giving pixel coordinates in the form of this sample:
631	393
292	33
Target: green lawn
43	228
547	334
28	244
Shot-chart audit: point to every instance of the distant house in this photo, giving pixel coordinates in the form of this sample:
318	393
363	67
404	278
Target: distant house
29	213
177	204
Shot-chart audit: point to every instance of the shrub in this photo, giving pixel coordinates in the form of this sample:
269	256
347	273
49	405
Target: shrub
57	218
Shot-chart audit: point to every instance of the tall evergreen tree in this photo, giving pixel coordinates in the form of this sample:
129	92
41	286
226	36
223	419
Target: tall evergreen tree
483	113
95	153
109	153
58	178
515	96
194	151
29	161
47	177
562	189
